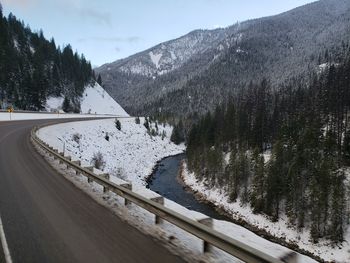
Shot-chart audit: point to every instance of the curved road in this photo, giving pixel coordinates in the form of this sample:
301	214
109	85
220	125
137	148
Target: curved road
47	219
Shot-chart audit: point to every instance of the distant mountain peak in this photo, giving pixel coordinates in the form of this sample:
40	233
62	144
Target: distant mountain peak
167	56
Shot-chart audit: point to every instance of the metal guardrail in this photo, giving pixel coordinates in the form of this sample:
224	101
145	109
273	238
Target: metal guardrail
233	247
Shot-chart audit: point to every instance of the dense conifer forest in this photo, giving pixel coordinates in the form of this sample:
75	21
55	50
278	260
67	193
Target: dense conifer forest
306	130
33	68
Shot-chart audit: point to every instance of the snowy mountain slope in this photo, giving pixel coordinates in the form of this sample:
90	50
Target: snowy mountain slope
130	153
210	65
95	100
147	75
167	56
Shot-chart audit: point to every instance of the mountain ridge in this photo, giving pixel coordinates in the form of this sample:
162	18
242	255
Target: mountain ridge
277	48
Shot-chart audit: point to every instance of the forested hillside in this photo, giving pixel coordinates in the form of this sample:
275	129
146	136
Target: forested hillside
221	61
33	68
283	151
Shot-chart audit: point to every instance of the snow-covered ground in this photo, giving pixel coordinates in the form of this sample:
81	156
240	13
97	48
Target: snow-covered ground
131	154
95	100
280	229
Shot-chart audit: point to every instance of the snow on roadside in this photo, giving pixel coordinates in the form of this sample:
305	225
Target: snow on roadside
279	229
130	153
54	103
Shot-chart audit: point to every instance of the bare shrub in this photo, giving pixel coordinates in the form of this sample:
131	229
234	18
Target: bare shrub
97	161
76	137
119	173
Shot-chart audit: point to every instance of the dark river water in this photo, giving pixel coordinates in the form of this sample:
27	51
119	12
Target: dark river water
165	182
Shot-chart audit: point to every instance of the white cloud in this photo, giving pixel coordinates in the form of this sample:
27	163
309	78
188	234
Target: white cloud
132	39
98	16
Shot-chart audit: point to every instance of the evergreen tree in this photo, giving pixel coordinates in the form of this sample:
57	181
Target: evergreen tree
275	181
177	135
99	80
337	208
258	182
66	107
146	124
117	124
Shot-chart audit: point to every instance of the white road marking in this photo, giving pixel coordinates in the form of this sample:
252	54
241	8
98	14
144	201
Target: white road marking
4	243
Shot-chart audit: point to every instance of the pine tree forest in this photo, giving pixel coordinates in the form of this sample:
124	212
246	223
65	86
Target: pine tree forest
33	68
283	151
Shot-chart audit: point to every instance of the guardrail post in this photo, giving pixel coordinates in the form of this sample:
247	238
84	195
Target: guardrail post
78	162
127	186
68	158
207	222
91	169
159	200
105	188
51	148
290	257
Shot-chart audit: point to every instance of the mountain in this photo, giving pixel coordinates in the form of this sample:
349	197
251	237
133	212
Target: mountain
193	73
168	56
132	79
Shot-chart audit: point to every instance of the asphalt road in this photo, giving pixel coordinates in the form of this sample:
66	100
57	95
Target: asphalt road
2	256
47	219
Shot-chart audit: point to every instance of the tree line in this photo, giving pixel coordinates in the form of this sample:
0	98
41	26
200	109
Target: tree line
282	151
33	68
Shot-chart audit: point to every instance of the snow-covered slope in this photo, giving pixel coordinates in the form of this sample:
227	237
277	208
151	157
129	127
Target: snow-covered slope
167	56
280	229
95	100
130	153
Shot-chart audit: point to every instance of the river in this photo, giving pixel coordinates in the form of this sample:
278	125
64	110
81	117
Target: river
165	182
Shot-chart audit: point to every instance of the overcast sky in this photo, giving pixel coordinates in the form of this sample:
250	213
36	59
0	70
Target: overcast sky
107	30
